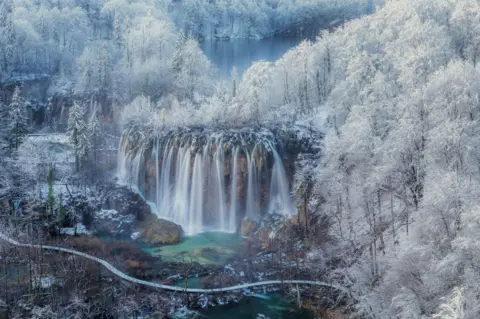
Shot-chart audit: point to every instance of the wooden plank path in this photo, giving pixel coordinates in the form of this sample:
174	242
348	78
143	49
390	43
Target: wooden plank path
126	277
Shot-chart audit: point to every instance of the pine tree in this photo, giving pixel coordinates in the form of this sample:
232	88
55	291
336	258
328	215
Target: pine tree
3	125
95	133
50	196
78	134
17	121
178	56
61	212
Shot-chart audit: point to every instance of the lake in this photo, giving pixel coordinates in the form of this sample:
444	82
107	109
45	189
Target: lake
241	53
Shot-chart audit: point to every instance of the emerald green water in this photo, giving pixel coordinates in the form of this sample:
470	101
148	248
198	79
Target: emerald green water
219	248
193	282
270	306
205	248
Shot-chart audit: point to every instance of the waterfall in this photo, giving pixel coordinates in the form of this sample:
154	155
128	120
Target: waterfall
195	213
163	187
219	164
179	214
280	201
251	189
208	182
233	193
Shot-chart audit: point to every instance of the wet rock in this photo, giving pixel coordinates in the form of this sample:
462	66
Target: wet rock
120	213
150	183
111	222
158	315
127	202
248	227
218	280
155	231
263	236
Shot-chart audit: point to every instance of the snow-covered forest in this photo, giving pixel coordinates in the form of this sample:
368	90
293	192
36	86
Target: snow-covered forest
389	97
258	19
116	50
397	95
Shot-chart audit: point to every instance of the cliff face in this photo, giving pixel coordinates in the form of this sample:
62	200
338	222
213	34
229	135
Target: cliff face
206	180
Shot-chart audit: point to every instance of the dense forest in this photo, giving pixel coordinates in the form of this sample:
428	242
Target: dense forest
387	102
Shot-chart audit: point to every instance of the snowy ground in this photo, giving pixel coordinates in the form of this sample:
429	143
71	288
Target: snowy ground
38	151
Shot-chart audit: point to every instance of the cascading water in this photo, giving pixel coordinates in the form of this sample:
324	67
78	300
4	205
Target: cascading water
233	191
208	181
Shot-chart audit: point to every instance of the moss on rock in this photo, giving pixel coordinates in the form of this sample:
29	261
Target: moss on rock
156	231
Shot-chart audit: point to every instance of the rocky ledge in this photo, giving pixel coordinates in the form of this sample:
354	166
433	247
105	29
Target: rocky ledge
125	213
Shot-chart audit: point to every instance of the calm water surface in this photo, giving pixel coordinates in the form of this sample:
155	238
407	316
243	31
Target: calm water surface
241	53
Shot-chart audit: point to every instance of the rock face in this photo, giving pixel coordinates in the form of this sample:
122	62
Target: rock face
248	227
111	222
127	202
156	231
125	213
210	180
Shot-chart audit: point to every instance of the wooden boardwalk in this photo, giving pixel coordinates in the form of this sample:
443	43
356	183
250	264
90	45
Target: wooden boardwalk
126	277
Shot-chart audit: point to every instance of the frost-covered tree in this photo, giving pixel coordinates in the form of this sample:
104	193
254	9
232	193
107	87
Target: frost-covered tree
251	91
50	194
145	65
234	76
260	18
17	121
95	133
78	134
192	71
7	37
3	124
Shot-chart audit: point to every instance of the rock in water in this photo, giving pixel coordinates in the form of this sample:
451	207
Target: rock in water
156	231
248	227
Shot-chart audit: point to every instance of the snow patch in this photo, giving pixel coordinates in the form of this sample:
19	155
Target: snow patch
135	235
71	231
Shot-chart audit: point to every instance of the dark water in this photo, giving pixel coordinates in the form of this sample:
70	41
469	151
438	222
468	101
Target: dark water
271	306
241	53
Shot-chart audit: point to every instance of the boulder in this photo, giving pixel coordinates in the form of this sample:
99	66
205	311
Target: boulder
248	227
125	213
111	222
154	231
126	202
263	237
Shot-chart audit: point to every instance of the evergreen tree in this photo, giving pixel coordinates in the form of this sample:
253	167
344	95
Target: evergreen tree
17	121
50	196
78	134
178	56
3	125
95	133
61	212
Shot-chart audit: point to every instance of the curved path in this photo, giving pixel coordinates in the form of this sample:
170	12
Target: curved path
124	276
